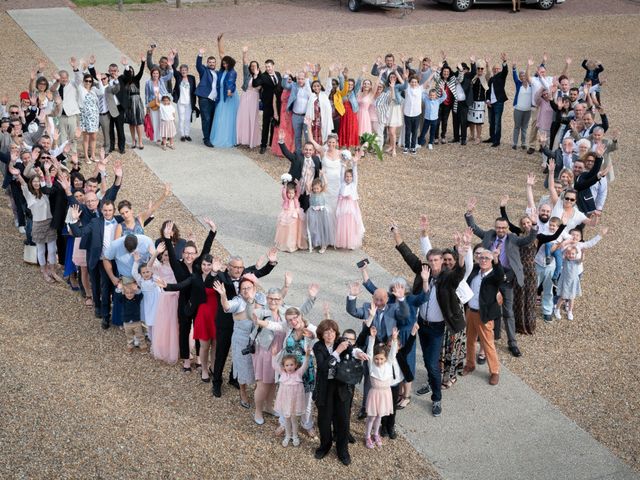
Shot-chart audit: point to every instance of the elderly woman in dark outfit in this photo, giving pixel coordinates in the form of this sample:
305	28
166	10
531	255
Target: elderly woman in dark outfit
332	397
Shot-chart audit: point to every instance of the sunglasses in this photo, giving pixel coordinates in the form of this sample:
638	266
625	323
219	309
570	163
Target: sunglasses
570	199
14	112
88	81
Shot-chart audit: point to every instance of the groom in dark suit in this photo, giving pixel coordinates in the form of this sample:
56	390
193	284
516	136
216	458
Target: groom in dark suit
270	82
93	235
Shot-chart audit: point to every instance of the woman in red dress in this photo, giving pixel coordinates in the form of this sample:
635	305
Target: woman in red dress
285	126
204	301
348	135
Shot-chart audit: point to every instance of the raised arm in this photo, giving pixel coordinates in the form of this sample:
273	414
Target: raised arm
503	213
552	182
468	216
153	207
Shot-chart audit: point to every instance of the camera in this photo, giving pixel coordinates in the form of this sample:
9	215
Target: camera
249	349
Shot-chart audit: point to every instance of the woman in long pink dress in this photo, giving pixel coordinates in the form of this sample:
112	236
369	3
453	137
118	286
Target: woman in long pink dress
285	126
365	100
248	131
165	331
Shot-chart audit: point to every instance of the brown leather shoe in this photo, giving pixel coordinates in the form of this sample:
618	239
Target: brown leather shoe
494	379
467	370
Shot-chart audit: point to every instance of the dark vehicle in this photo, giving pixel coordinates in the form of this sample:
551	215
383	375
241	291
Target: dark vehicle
463	5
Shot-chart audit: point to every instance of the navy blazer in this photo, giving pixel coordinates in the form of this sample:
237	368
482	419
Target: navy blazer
498	80
395	315
229	83
206	79
92	239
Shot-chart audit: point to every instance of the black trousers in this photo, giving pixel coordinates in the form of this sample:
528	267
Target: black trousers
184	328
61	245
443	119
102	289
389	422
223	345
334	413
460	122
116	125
267	126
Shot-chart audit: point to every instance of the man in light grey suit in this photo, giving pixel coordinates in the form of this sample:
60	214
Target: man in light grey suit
509	245
386	318
69	91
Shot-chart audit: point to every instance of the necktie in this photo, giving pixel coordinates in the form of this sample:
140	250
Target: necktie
273	79
236	283
110	222
382	330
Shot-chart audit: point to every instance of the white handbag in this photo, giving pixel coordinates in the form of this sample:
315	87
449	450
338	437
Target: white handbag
30	254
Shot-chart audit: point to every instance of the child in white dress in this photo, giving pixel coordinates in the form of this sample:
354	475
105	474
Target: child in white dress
143	275
349	226
167	122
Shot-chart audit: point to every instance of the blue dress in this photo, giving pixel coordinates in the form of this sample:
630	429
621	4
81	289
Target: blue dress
223	133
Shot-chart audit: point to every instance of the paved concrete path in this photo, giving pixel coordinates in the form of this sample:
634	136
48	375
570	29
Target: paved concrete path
506	432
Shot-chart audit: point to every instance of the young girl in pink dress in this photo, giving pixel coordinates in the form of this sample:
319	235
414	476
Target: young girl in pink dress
290	229
165	331
379	399
290	399
349	226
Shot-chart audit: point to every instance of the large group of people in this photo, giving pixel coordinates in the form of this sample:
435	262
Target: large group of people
184	305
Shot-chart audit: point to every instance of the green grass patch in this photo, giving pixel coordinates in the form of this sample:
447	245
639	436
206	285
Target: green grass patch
99	3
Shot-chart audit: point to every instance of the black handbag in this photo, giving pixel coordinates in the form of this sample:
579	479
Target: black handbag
349	370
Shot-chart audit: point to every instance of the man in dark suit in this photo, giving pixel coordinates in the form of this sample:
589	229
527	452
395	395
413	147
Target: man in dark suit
93	241
207	93
387	317
270	82
483	310
300	161
117	102
496	97
509	245
460	117
224	321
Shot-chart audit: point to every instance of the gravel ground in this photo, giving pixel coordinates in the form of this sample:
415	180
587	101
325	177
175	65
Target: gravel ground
575	365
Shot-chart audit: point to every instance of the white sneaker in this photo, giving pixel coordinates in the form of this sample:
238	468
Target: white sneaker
430	147
569	315
418	146
22	230
556	313
285	442
295	441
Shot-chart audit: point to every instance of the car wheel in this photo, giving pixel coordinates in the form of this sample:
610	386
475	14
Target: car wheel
461	5
546	4
354	5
